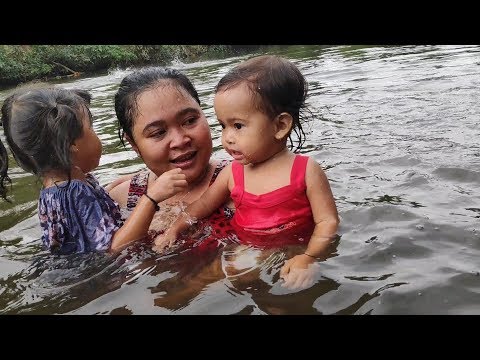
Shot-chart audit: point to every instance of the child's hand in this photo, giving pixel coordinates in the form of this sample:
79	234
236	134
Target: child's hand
298	272
167	185
164	241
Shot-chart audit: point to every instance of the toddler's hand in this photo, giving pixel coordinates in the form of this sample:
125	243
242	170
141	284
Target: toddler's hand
164	241
298	272
168	184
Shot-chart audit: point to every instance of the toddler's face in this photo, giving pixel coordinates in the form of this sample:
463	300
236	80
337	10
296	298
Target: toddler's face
248	134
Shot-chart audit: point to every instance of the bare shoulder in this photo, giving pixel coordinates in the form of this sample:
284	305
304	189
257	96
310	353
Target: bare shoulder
119	192
227	168
225	174
119	180
314	171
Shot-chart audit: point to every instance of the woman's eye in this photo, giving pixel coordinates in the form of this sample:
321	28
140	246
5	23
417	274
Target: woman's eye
238	126
191	121
158	133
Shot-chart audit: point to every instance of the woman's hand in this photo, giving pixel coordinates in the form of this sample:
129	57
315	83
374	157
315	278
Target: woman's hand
298	272
167	185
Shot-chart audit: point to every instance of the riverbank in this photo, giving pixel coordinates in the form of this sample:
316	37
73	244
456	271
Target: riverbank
24	63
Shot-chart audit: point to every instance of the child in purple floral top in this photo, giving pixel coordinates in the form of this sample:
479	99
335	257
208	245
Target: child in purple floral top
49	131
65	210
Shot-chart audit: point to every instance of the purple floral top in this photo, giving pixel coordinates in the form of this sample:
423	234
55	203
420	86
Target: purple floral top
78	218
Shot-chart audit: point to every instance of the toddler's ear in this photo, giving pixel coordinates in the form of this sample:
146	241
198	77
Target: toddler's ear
284	123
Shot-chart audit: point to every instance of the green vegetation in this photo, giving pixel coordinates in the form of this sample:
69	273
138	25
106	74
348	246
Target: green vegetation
23	63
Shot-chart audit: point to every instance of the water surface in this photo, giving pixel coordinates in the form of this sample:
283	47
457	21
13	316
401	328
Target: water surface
396	129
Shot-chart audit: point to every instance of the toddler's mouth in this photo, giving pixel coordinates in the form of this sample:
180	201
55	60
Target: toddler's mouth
237	155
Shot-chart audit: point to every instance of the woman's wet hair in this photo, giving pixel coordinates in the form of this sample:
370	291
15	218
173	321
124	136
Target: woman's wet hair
277	86
40	126
134	84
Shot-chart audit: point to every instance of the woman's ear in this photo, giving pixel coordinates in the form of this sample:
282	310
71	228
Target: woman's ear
283	123
132	144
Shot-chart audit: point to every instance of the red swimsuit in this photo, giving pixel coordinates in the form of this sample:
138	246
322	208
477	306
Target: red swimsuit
280	217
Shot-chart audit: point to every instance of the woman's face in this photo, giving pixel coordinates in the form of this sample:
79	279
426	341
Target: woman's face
171	131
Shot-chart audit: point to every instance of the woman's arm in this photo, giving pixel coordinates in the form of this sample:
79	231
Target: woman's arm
136	226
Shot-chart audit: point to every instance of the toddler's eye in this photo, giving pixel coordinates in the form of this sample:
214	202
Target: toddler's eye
238	126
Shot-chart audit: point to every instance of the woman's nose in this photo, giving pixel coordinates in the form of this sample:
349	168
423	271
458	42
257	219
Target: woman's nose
179	138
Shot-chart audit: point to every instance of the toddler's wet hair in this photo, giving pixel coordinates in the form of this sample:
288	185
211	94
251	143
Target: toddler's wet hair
277	86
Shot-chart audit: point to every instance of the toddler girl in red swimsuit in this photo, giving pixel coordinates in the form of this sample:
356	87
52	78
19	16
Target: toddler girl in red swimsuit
280	198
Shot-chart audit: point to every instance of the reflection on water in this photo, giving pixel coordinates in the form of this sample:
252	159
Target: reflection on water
396	129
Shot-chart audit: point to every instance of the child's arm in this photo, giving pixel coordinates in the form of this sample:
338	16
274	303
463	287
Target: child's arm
216	195
325	217
136	226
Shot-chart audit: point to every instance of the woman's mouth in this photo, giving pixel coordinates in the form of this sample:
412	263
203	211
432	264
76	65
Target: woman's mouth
185	160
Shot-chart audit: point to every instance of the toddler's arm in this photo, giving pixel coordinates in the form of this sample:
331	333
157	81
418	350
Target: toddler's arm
216	195
136	226
324	214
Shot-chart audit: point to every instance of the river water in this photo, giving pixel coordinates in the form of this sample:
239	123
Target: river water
397	130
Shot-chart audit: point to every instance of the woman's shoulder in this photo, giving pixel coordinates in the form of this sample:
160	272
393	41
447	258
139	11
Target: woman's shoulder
119	192
120	180
220	165
121	189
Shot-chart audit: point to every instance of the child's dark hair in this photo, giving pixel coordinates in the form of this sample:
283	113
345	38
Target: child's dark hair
134	84
40	126
277	86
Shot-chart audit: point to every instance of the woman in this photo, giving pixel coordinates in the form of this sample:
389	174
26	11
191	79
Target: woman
159	114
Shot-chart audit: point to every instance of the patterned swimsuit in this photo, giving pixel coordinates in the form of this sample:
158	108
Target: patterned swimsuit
215	229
